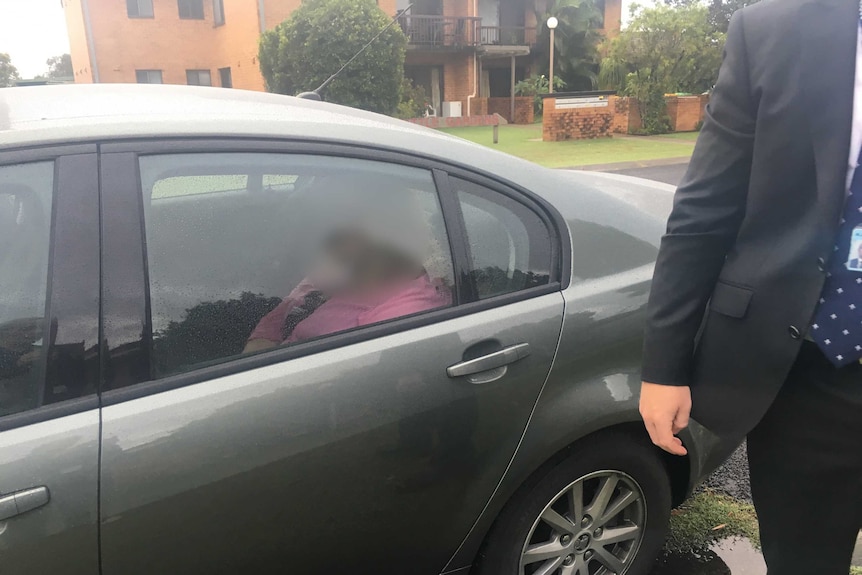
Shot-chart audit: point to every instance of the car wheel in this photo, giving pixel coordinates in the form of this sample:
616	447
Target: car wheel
602	510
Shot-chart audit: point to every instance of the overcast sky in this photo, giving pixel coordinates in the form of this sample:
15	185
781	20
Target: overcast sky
32	31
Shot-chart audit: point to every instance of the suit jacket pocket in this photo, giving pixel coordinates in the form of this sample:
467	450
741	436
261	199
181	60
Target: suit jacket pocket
730	299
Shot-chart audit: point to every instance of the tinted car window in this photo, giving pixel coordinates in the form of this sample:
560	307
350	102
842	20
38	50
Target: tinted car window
510	245
26	199
248	252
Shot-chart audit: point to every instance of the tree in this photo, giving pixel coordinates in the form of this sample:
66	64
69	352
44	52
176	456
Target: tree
576	40
720	11
60	67
319	37
663	50
535	86
8	72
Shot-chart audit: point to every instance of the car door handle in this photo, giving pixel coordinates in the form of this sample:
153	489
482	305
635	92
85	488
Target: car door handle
13	504
492	361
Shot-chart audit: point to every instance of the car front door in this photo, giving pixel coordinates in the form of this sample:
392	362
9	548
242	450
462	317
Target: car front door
49	361
311	370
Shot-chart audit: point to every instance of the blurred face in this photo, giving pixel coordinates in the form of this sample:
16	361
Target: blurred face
359	263
859	251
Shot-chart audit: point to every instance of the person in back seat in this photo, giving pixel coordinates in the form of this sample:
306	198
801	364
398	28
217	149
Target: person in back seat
371	270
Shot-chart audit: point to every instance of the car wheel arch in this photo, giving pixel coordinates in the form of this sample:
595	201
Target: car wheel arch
678	469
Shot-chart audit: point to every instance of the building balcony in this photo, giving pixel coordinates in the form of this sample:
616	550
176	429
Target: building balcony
507	36
456	32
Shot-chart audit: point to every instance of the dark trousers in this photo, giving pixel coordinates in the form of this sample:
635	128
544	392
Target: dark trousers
806	468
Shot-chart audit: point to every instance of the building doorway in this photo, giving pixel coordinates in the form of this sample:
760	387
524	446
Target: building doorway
430	78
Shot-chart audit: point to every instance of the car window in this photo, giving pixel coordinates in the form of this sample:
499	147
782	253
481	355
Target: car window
26	199
248	252
510	246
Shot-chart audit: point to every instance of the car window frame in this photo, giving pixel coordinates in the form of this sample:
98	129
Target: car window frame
75	179
120	173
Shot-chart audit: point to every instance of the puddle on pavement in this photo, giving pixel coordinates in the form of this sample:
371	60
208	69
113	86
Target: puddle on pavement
732	556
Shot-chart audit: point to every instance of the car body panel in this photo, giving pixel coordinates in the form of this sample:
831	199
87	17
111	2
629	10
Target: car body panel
62	536
304	455
158	453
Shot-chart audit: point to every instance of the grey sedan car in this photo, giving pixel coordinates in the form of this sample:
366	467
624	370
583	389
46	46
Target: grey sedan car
245	333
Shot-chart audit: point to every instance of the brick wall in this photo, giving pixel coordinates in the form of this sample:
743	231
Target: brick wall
173	45
613	17
503	106
627	117
79	49
575	123
479	106
458	74
685	112
237	42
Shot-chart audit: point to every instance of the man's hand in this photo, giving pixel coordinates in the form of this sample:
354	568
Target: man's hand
665	410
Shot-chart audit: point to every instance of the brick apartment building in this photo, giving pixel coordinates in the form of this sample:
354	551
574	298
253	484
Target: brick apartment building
458	50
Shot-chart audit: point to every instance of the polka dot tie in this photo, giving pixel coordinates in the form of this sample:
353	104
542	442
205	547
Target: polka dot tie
837	325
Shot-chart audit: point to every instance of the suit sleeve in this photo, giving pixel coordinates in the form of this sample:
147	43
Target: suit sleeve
707	212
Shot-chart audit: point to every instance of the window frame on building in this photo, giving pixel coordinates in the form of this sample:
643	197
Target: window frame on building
191	9
138	13
225	74
147	74
218	12
196	75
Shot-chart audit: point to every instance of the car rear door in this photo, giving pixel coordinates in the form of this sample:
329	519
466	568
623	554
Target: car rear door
49	360
357	444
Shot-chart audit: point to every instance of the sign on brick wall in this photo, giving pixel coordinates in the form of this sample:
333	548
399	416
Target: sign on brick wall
582	102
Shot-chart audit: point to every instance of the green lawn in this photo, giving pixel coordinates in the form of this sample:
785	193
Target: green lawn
525	142
683	136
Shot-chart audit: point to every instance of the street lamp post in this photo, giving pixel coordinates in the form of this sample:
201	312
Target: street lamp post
552	24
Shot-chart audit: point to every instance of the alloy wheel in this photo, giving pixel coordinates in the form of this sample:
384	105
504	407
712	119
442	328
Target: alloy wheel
592	527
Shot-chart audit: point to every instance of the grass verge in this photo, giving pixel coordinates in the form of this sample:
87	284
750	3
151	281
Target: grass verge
525	141
708	517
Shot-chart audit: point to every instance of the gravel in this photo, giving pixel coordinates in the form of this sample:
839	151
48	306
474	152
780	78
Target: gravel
731	478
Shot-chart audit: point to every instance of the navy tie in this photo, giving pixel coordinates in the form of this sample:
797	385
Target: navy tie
837	325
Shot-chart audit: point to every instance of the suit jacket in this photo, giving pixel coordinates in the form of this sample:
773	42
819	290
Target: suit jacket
741	268
855	264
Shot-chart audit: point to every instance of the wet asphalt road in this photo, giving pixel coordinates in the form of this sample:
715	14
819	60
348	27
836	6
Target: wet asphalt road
671	174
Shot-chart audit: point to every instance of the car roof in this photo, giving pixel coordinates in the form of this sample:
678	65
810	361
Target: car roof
80	112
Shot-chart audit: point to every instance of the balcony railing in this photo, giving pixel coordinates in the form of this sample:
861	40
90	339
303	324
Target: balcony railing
441	31
457	32
507	36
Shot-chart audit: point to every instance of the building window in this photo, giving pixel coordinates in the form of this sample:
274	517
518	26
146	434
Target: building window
225	77
139	8
218	12
191	9
198	78
148	76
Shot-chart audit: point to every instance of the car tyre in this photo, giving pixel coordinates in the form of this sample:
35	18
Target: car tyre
538	526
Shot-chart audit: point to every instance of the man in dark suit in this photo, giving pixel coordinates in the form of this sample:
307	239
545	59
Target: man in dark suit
755	321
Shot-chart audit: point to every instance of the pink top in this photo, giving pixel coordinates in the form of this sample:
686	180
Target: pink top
340	313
